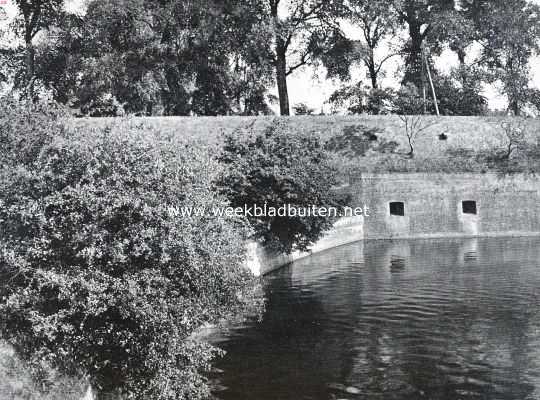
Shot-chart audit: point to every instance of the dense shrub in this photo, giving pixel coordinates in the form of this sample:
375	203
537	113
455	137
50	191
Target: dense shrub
25	128
280	167
408	101
302	109
457	94
101	279
460	94
360	99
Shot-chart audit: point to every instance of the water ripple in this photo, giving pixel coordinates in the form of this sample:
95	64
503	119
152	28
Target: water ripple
422	319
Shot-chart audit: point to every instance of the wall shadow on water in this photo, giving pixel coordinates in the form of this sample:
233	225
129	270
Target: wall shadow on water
436	319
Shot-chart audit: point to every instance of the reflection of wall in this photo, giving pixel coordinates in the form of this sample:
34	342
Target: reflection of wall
310	270
346	230
505	206
468	252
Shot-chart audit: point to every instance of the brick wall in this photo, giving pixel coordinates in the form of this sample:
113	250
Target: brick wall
433	204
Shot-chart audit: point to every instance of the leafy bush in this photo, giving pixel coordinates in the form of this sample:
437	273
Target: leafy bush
360	99
279	167
460	93
101	279
102	106
25	128
457	94
302	109
408	101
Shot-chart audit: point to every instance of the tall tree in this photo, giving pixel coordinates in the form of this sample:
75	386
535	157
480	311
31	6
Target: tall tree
302	32
377	21
422	18
171	57
508	31
33	17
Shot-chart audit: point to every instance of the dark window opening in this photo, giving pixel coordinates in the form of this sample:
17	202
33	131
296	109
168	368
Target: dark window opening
469	207
397	208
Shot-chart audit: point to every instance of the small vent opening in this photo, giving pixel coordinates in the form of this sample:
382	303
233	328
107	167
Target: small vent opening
469	207
397	208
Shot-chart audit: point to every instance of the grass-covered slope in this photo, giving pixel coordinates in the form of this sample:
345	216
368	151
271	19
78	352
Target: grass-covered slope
465	138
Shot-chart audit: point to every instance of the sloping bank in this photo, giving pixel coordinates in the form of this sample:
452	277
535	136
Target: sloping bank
426	205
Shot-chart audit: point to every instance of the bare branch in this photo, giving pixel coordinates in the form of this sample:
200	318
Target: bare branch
414	126
381	62
304	59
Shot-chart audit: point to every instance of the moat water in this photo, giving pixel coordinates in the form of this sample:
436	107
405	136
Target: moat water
393	320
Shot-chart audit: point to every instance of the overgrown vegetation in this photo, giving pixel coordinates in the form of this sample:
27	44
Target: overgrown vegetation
100	280
276	168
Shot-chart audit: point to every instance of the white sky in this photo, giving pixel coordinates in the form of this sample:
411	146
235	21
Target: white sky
309	86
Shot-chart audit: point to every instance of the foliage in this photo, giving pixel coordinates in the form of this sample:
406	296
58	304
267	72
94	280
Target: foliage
457	94
460	92
164	58
377	21
101	280
276	168
101	106
26	129
302	109
32	18
508	32
360	99
210	57
307	33
409	102
423	20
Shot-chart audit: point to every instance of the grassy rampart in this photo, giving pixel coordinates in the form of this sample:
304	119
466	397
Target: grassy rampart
447	144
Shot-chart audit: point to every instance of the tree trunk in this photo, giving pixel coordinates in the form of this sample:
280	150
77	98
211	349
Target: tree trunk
30	68
280	61
512	87
413	61
514	107
281	78
372	72
461	56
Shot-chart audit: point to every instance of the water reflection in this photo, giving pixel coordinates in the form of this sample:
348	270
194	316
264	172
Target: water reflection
397	263
469	250
423	319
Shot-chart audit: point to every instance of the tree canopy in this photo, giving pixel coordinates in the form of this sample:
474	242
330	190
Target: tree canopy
225	58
